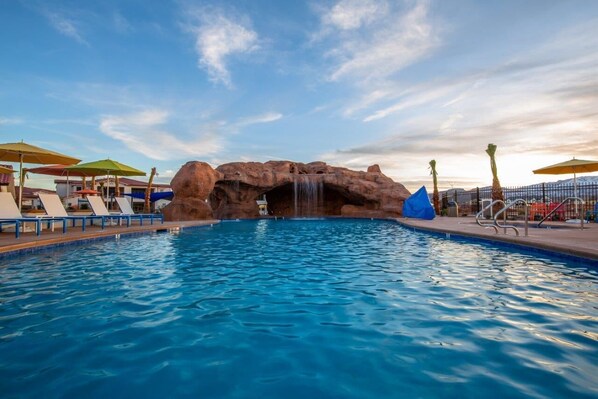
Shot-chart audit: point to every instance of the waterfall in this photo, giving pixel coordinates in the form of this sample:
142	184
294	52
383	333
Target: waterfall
308	192
235	184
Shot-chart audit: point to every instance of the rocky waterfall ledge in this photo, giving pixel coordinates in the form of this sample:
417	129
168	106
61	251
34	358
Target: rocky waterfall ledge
291	189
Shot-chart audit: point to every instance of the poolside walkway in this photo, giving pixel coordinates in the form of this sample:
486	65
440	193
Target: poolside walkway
8	242
563	238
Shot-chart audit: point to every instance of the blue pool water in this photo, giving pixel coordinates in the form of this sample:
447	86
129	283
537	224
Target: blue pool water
296	309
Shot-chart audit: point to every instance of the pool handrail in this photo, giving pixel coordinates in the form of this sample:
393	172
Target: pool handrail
568	199
481	213
503	211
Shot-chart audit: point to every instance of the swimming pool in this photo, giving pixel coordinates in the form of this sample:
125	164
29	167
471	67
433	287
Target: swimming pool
296	309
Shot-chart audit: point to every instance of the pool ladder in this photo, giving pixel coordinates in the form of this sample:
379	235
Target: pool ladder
495	224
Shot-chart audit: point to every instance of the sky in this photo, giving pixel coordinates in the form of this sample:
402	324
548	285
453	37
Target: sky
352	83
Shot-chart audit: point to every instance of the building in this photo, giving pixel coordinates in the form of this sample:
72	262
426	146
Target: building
106	187
7	181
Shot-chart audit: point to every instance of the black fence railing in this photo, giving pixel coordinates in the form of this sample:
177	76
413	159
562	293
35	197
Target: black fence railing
542	199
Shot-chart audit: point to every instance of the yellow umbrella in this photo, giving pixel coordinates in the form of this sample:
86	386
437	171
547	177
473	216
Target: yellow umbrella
5	171
27	153
574	166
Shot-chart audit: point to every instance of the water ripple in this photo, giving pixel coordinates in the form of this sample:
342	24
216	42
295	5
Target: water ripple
352	309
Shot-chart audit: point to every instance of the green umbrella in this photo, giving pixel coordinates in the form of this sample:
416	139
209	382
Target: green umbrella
105	167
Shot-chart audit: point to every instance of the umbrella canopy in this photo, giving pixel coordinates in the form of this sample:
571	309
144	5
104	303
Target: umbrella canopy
58	170
105	167
5	171
572	166
27	153
87	191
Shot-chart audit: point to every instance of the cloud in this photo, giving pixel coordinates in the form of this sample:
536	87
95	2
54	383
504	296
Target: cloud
263	118
64	25
537	108
352	14
390	39
121	24
144	132
10	121
218	38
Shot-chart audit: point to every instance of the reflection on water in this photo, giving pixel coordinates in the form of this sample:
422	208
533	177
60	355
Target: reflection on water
276	308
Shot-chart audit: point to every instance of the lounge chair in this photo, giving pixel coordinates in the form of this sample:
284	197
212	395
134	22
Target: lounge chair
537	211
99	209
125	209
53	207
10	214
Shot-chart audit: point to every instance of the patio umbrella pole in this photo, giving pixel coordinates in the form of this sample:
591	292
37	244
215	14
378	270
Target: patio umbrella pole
575	193
21	181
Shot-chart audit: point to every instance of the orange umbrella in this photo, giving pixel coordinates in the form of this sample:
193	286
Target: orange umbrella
85	192
58	170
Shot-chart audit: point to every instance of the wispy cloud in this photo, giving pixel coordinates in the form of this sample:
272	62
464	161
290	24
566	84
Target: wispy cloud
121	24
263	118
538	109
218	38
145	132
67	26
352	14
375	40
10	121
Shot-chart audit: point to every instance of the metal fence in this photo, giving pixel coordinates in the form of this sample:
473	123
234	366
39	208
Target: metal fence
542	198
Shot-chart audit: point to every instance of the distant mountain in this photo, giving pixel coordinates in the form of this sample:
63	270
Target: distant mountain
551	189
580	180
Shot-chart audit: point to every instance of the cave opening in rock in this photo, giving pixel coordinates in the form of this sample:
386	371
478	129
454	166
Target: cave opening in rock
296	200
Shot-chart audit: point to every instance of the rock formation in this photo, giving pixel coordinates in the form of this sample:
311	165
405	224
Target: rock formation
291	189
192	185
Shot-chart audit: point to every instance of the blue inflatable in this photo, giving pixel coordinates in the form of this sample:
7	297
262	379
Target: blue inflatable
418	206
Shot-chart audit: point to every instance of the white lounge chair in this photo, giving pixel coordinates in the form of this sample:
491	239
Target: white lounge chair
53	207
125	209
99	209
10	214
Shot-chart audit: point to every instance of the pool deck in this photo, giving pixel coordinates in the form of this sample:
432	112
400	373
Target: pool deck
28	240
562	238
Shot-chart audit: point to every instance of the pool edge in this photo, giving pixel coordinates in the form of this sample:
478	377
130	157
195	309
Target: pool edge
49	244
510	241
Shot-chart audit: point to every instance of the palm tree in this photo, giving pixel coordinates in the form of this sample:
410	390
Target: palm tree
496	189
148	192
435	198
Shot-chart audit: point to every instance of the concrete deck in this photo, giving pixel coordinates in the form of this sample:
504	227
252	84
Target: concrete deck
28	240
562	238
